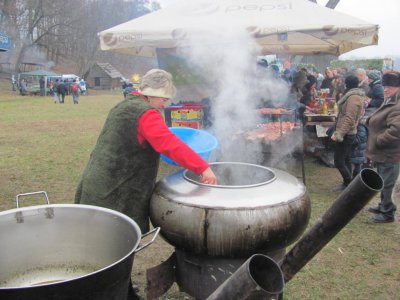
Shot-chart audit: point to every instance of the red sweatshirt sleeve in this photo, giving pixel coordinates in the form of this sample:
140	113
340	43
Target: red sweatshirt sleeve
153	129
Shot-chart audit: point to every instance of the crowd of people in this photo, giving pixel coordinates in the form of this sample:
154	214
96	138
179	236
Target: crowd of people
367	128
60	88
57	87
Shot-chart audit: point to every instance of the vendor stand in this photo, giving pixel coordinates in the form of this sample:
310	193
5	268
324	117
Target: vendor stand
317	121
322	122
280	136
322	114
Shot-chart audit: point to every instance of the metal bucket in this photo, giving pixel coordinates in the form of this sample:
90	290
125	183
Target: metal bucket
67	251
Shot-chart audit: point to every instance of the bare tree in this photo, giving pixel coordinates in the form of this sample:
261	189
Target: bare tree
66	30
39	24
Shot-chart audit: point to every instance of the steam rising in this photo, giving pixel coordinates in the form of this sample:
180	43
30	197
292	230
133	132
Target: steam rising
228	62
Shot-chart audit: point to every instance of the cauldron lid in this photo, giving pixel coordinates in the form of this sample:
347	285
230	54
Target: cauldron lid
272	187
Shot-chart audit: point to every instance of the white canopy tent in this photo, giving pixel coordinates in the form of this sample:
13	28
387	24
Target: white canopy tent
279	26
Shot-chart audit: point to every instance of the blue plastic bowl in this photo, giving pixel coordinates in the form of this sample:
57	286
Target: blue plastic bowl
200	141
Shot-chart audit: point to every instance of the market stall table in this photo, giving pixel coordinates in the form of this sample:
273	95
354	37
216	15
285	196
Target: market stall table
321	122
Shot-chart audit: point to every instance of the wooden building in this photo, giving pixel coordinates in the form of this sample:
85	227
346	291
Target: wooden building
103	76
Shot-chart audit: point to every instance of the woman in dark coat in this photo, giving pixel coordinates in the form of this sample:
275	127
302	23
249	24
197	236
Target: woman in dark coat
122	169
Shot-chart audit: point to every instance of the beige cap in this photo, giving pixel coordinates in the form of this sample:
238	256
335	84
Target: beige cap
157	83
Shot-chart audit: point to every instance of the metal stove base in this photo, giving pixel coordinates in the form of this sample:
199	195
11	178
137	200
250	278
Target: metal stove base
196	275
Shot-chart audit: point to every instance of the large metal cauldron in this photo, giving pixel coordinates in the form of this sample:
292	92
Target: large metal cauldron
66	252
252	208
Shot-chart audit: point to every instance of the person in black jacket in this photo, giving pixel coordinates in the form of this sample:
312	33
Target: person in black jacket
374	96
42	84
62	90
359	146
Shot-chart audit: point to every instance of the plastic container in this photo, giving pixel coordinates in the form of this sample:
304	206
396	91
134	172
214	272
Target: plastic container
200	141
184	112
193	124
325	108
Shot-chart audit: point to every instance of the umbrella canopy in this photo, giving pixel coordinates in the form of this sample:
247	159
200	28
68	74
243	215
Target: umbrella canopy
279	26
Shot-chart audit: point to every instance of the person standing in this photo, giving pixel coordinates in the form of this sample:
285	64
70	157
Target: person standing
298	82
82	84
75	89
123	166
55	91
308	91
122	169
338	87
13	83
296	93
350	108
23	88
42	86
328	82
375	93
363	79
357	156
384	145
62	90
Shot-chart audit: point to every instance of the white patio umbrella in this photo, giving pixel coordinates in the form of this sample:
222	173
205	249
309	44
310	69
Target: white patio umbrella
279	26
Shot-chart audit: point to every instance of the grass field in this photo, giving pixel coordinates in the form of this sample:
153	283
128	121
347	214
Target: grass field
45	146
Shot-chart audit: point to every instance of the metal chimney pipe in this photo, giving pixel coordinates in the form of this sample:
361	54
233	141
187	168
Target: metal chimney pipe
360	191
260	277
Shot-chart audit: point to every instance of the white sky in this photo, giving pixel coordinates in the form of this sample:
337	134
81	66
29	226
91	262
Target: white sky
385	13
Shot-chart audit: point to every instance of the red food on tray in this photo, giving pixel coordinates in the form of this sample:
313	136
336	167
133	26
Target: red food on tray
272	111
270	131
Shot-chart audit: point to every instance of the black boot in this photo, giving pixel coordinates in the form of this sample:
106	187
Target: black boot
382	218
375	210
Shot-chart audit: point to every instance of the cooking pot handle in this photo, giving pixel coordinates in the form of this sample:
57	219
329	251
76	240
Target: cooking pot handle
33	193
156	230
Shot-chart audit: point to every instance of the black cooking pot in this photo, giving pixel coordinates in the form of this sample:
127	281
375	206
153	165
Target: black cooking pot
66	252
